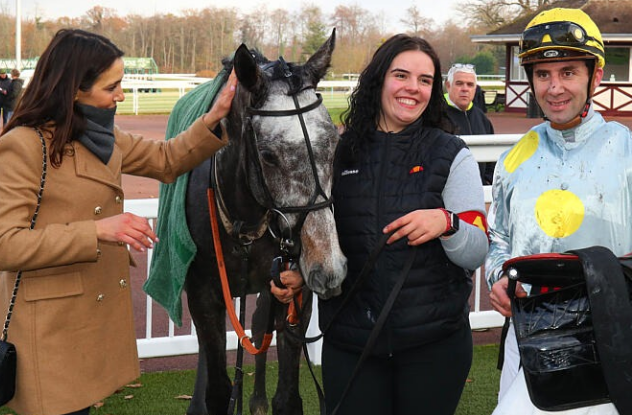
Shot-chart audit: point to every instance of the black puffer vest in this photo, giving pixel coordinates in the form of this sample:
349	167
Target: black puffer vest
393	175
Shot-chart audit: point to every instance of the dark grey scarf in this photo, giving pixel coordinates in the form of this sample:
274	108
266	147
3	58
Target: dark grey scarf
99	134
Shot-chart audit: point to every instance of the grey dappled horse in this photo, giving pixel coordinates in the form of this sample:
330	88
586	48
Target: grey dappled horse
275	181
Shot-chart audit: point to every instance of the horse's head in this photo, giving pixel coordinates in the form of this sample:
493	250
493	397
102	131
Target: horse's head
287	143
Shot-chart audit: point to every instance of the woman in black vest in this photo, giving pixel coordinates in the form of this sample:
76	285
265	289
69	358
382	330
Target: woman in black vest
398	170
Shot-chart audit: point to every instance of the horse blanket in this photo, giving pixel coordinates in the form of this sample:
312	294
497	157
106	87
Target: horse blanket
174	253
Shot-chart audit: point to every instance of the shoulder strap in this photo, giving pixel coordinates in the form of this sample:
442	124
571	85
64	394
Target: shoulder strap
18	277
612	321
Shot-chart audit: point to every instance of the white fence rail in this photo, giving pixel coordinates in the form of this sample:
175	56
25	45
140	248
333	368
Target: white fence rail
483	147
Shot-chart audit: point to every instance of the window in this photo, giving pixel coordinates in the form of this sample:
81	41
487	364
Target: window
617	65
517	73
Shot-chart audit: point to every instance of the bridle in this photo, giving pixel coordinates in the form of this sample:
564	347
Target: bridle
264	196
261	192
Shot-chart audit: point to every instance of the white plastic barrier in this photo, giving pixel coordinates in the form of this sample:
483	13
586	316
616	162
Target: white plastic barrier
483	147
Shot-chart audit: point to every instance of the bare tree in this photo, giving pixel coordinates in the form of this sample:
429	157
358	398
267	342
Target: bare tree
356	28
495	13
418	24
281	30
313	29
94	18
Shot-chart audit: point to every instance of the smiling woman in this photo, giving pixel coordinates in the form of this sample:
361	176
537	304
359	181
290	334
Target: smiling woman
402	178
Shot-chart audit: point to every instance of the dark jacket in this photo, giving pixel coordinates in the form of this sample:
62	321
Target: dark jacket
473	122
5	94
479	99
393	175
14	93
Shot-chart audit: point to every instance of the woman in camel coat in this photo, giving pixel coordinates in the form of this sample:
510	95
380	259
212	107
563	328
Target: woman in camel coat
72	323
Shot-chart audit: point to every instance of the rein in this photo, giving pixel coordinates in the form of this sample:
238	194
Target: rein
244	340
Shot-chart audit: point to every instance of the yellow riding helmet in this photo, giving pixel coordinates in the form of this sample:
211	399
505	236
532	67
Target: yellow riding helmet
561	34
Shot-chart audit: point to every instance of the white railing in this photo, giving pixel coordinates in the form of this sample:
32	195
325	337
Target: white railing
483	147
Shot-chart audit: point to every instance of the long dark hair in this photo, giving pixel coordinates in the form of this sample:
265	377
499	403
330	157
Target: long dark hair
72	61
362	116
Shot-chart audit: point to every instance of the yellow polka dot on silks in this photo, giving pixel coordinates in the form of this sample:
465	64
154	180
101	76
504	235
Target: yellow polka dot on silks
559	213
521	152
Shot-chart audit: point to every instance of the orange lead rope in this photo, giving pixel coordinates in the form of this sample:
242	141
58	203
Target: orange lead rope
293	309
244	340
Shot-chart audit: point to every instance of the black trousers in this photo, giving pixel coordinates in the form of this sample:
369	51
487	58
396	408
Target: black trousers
426	380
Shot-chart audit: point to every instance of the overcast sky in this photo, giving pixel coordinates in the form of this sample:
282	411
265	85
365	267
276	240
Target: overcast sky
439	10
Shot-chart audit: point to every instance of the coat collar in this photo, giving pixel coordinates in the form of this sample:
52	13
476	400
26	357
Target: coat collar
91	167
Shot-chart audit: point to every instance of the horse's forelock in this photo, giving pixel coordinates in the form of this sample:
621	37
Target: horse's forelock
288	72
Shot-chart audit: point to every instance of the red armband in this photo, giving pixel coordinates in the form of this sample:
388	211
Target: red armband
474	218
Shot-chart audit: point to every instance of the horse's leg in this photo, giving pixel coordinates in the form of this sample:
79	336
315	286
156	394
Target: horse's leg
259	397
287	399
212	384
198	400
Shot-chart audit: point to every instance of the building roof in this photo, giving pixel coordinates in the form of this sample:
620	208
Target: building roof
613	18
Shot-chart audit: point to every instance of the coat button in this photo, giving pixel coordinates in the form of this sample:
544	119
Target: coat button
98	210
118	200
123	283
100	297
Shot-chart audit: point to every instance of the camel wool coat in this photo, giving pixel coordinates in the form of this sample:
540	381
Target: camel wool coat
72	323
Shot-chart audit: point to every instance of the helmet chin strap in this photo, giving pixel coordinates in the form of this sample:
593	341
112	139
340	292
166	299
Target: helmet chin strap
574	122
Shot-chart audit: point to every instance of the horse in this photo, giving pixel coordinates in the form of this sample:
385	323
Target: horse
272	186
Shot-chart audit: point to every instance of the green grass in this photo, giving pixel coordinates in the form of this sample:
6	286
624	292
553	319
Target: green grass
162	102
164	393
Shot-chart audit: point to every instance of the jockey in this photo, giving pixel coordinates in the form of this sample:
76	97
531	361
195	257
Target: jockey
566	184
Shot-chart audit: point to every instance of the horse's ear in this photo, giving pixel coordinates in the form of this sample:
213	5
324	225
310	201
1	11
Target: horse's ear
246	69
317	65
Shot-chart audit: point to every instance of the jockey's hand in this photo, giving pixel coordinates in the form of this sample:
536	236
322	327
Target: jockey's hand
293	285
499	297
222	104
127	228
419	226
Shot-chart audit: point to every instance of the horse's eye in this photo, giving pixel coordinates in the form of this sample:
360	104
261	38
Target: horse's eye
269	157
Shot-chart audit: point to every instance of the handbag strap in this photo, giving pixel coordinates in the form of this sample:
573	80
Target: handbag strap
18	276
612	321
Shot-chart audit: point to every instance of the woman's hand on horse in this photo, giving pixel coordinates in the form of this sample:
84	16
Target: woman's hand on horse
419	226
499	298
127	228
222	104
293	282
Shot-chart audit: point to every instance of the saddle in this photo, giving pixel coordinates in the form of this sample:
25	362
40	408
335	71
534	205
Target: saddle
574	330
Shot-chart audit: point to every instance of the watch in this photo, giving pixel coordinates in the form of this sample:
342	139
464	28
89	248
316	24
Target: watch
453	223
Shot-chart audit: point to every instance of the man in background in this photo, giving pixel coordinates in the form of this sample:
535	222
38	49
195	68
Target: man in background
468	118
16	90
5	91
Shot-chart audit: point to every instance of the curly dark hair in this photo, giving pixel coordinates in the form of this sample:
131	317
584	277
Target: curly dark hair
365	109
